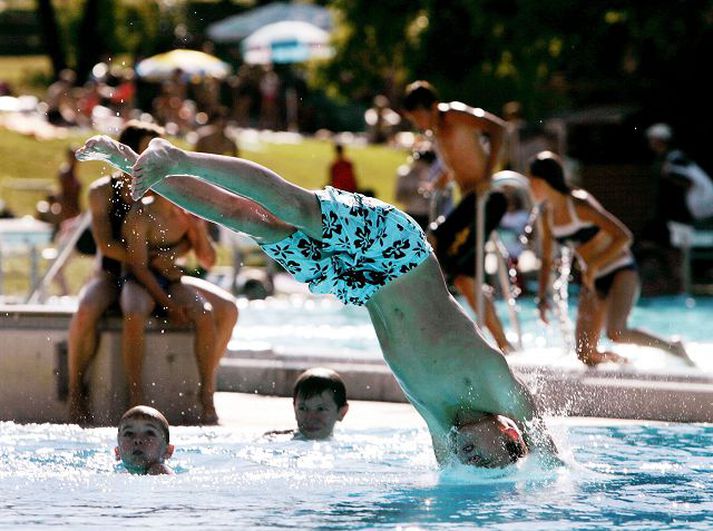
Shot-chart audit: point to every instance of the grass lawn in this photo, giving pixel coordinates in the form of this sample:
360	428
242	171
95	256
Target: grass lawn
24	73
29	169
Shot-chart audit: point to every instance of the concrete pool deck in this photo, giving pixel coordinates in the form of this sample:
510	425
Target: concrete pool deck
682	395
33	381
260	413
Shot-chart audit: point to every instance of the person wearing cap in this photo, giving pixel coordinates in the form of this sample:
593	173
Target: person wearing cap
685	191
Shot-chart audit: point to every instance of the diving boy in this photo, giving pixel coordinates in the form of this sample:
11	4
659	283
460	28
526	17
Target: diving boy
143	441
365	252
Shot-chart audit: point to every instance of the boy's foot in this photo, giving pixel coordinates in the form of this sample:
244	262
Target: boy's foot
155	163
596	358
209	417
79	410
680	351
104	148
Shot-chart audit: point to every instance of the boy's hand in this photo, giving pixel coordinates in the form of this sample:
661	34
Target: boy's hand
104	148
159	160
178	314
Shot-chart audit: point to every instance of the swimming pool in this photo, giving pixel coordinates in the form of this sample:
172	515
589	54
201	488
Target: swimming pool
323	327
619	475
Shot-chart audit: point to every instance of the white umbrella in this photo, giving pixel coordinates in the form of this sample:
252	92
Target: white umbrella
289	41
237	27
192	62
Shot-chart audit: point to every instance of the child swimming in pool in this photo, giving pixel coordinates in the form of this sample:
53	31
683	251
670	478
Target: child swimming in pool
365	252
319	398
143	441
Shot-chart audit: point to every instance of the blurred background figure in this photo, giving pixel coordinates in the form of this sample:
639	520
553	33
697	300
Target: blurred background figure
62	210
60	104
5	88
5	212
269	99
512	158
63	204
414	188
244	94
123	95
684	191
381	121
512	230
69	187
341	171
212	137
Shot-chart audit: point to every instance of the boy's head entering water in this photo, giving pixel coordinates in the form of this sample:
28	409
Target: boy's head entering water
492	441
143	441
319	398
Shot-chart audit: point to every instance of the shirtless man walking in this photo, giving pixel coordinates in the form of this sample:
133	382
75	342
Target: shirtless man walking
365	252
468	142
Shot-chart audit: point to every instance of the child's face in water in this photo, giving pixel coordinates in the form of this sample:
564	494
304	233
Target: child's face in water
317	415
485	443
142	444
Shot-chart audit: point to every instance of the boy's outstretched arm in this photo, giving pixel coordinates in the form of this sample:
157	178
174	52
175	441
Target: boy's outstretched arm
198	195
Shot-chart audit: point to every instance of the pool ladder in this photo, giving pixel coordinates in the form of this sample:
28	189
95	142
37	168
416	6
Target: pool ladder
559	287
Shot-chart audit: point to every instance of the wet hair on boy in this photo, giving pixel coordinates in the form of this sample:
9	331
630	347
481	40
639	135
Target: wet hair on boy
313	382
319	399
143	441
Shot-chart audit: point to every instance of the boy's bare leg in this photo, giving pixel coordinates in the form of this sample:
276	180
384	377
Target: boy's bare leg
96	297
213	202
136	305
200	313
290	203
220	206
225	312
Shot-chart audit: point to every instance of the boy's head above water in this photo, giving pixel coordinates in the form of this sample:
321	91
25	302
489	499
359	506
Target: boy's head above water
143	442
492	441
319	398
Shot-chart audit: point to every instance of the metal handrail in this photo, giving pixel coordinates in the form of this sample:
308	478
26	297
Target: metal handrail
40	289
500	180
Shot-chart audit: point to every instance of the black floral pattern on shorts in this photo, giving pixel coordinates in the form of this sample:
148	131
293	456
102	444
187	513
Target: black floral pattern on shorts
365	244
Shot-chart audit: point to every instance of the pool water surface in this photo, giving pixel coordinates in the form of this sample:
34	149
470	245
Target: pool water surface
323	327
618	475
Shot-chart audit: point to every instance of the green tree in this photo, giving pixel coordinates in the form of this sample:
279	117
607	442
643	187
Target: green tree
51	35
549	55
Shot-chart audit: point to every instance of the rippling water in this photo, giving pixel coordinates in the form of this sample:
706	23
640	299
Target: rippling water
618	475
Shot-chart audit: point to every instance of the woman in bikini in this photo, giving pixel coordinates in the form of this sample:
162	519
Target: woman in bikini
602	245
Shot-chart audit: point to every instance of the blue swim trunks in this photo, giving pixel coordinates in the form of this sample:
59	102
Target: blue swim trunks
365	244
